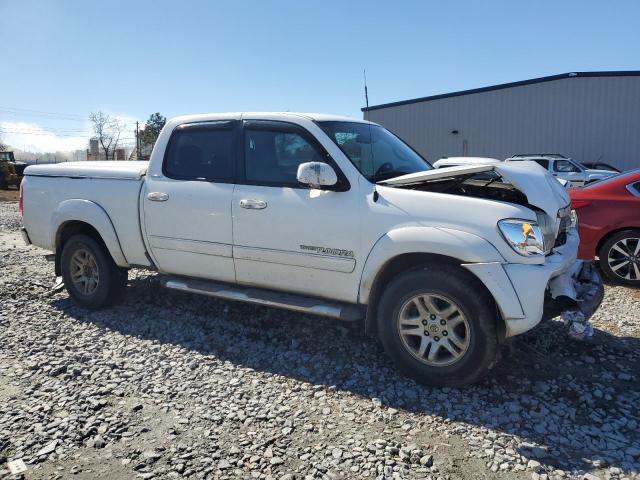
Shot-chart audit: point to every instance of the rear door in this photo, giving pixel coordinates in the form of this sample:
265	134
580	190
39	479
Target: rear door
187	208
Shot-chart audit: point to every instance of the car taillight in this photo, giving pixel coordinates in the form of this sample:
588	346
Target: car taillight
576	204
21	201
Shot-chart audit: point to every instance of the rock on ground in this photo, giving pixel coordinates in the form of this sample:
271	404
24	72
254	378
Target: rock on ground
169	385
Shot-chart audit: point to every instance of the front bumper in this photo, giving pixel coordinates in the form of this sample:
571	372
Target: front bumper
525	293
578	289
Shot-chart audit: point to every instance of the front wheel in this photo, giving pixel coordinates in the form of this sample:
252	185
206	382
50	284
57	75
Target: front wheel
439	326
90	275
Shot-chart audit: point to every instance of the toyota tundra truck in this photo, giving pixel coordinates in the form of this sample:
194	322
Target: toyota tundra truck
323	215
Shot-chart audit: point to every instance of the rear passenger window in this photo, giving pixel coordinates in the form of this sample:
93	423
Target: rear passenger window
201	152
543	163
272	156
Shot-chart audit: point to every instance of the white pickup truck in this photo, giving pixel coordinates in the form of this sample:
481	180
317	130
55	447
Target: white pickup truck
324	215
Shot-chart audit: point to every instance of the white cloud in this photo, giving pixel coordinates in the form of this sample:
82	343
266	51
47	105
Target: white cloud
32	137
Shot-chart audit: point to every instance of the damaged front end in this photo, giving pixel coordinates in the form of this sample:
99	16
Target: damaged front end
575	295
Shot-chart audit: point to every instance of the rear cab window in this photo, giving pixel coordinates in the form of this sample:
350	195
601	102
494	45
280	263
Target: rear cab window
202	151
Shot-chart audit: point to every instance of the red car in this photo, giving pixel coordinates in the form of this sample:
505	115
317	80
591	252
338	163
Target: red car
609	218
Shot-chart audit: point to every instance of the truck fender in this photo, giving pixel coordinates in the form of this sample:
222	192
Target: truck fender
463	246
89	212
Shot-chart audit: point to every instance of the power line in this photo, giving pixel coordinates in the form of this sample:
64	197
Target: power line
50	115
39	115
130	140
50	134
45	129
27	110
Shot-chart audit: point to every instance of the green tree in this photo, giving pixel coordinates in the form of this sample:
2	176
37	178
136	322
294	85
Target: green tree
152	127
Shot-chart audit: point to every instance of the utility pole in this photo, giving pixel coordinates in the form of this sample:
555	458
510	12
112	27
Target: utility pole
137	142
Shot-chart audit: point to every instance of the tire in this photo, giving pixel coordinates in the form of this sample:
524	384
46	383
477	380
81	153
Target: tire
3	182
445	286
620	267
106	288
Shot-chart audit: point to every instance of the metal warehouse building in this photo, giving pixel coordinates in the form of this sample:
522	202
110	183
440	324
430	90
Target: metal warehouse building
589	116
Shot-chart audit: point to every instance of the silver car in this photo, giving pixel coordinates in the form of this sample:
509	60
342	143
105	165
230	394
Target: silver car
565	168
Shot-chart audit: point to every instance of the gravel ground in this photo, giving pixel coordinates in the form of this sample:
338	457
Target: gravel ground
171	385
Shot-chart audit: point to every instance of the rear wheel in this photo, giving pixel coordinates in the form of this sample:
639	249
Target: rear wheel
620	257
90	275
439	326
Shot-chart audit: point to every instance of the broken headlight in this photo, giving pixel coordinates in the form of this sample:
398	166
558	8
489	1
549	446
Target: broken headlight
548	227
524	236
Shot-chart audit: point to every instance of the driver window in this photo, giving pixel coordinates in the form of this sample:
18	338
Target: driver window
272	157
564	166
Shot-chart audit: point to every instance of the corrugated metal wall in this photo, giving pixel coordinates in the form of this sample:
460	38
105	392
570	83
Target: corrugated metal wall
586	118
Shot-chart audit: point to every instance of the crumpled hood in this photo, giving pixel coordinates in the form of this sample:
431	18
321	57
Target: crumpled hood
539	186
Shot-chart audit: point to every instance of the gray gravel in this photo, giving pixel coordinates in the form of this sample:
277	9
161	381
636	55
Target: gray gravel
170	385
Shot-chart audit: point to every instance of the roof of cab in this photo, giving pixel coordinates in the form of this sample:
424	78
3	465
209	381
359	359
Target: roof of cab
320	117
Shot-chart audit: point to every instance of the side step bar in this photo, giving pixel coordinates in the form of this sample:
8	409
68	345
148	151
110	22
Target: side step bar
289	301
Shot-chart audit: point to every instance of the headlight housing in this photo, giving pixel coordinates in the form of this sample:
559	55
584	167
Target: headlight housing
524	236
548	227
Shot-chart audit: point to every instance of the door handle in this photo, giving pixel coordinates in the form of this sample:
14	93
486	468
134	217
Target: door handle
252	204
158	196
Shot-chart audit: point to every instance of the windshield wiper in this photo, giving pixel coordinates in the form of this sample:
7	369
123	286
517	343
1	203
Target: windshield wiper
386	176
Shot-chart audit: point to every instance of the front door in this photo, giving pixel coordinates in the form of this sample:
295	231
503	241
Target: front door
187	209
287	236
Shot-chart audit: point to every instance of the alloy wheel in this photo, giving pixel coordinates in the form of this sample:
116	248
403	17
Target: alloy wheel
433	329
84	271
624	258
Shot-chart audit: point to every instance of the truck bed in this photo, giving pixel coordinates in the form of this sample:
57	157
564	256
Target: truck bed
117	170
113	185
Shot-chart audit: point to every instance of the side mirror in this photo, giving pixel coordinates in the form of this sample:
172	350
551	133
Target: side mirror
316	175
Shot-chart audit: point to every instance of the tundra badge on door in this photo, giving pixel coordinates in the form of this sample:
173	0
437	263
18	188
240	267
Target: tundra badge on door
339	252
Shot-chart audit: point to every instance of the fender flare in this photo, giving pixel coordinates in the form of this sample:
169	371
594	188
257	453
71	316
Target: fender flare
93	214
463	246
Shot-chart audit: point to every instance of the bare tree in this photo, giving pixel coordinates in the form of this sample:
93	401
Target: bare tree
107	129
3	147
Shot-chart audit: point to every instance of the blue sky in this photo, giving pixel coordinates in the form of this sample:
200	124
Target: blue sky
132	58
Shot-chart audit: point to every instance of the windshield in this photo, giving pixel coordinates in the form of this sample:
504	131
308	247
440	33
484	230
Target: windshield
376	152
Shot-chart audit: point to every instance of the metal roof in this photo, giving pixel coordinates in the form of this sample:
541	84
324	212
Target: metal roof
628	73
